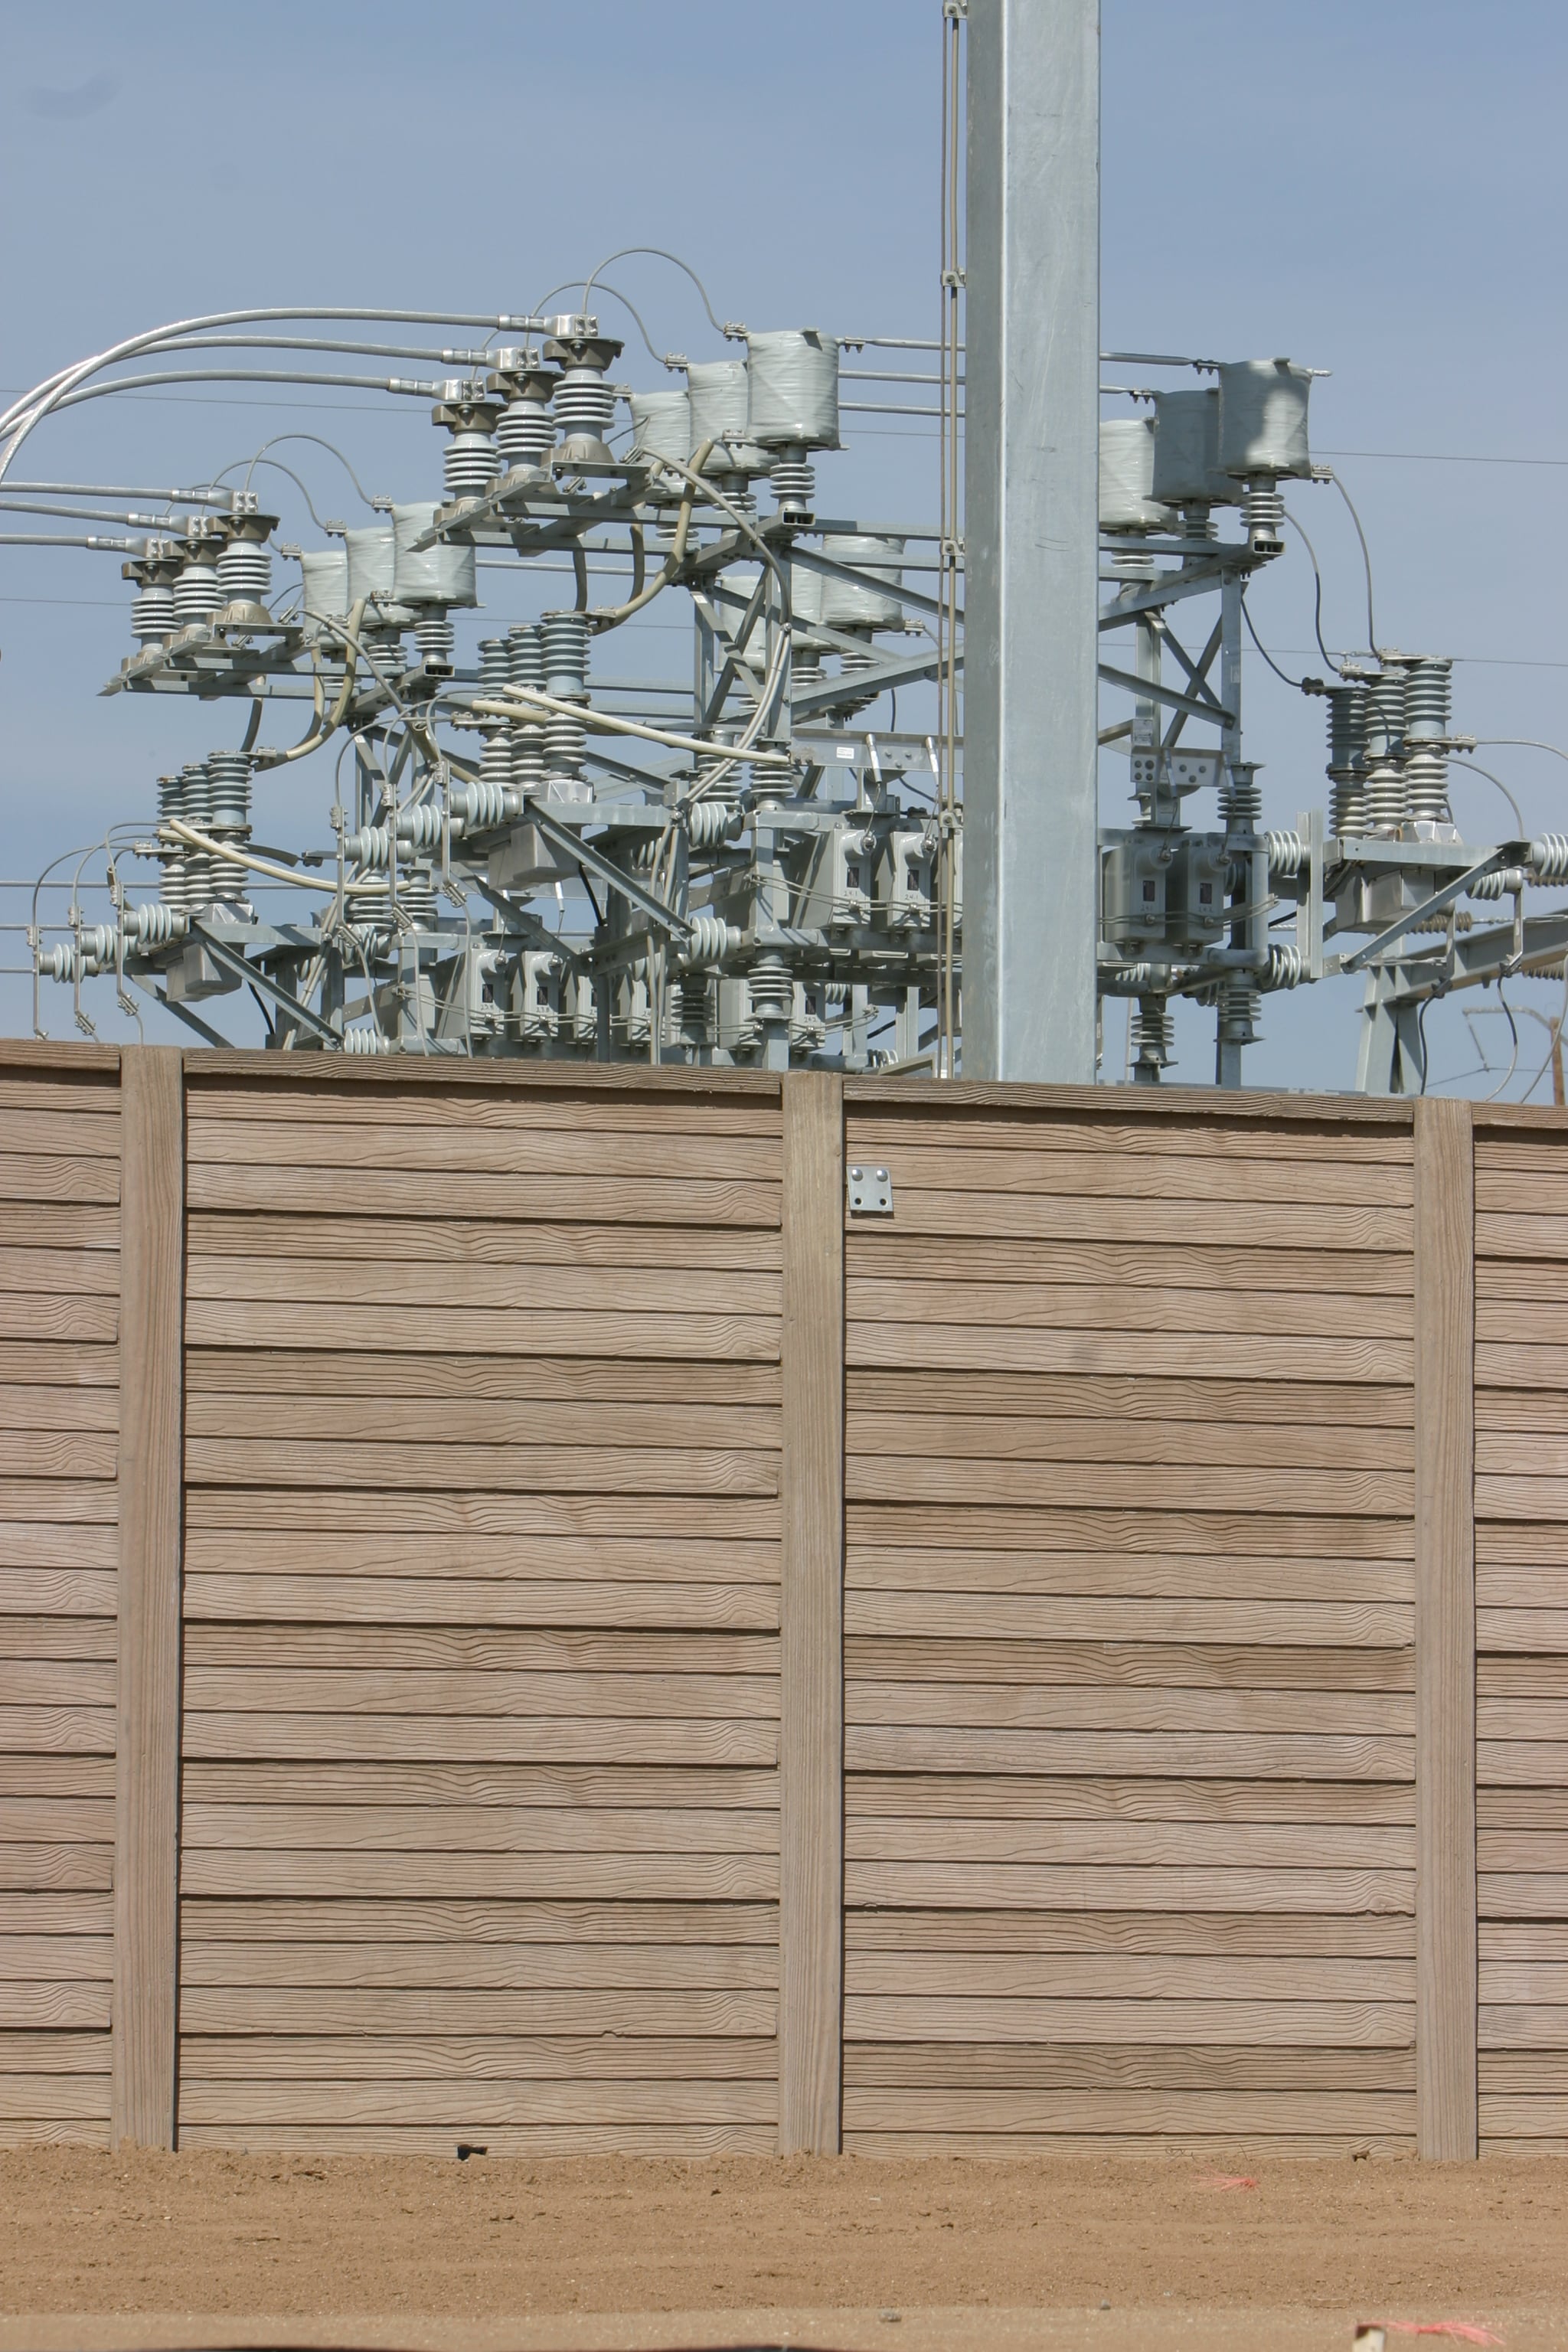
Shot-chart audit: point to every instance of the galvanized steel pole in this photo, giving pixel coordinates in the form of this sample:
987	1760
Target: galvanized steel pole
1031	468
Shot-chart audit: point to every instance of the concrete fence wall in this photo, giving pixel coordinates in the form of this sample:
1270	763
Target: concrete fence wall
526	1623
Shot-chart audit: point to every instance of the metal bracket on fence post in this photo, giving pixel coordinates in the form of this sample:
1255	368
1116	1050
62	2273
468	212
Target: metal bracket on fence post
870	1192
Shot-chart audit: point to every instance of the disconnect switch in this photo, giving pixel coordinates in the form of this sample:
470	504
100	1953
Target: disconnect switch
870	1192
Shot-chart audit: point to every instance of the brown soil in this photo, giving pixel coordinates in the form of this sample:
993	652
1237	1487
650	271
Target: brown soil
615	2252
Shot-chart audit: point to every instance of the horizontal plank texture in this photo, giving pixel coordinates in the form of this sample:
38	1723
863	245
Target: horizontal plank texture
1130	1684
60	1420
666	1664
1522	1664
480	1825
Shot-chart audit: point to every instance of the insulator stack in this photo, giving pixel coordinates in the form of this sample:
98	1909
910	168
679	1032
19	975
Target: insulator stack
689	1003
1347	759
566	653
1238	1010
419	828
416	898
436	638
152	612
565	644
470	463
563	741
228	794
525	428
370	848
1263	511
710	821
526	433
94	949
1500	884
1386	802
198	591
584	404
413	828
494	760
173	856
772	990
1429	698
1286	853
584	399
155	925
1286	966
1548	858
720	782
479	807
1385	714
712	938
1240	799
202	866
794	484
245	572
495	676
1151	1035
383	652
525	666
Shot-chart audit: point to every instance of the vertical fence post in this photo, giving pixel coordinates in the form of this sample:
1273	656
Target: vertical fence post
1446	1966
147	1734
811	1750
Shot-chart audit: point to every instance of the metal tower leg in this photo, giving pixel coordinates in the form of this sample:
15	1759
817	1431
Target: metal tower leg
1391	1058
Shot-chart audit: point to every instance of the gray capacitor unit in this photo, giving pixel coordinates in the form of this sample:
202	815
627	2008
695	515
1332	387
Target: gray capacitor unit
661	425
325	572
720	393
1263	419
371	560
806	592
843	603
793	389
442	574
1127	500
1187	470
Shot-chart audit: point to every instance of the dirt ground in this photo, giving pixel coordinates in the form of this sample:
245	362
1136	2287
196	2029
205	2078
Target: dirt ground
132	2251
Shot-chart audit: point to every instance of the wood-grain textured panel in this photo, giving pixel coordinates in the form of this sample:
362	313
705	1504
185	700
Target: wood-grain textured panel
1521	1661
1130	1655
481	1825
59	1320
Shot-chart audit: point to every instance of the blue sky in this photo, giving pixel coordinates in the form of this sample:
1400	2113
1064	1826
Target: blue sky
1375	189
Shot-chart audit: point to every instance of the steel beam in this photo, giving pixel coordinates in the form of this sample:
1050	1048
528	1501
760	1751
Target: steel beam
1031	470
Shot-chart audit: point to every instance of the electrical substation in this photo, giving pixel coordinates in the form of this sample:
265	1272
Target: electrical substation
522	850
715	1509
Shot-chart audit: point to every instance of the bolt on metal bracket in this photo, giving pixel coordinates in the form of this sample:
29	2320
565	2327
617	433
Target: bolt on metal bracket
870	1192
